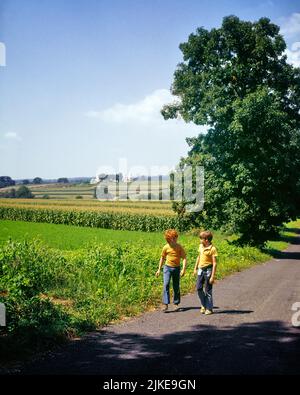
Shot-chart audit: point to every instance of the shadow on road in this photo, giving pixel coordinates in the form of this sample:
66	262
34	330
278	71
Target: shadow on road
291	239
267	347
294	240
292	230
233	312
216	311
283	254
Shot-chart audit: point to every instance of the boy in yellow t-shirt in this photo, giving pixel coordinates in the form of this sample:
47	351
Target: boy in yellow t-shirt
206	265
172	253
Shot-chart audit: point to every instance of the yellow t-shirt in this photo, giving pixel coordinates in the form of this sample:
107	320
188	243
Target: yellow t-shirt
206	255
173	254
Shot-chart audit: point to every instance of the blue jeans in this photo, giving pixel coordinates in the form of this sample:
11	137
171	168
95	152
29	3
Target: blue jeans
204	288
174	273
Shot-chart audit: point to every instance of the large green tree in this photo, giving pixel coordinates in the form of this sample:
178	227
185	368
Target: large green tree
236	80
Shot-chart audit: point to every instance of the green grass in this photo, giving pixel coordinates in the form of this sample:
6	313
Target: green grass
67	237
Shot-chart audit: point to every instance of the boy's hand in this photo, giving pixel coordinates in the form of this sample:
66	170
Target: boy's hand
211	280
182	273
194	272
157	273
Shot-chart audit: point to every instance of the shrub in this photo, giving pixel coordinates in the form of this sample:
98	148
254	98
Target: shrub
24	193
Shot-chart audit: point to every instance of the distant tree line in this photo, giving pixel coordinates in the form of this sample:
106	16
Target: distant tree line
6	181
63	180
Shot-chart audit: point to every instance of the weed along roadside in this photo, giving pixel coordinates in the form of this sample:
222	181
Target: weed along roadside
52	295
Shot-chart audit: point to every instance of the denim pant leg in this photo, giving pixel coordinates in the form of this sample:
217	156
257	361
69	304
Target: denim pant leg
176	284
208	291
204	289
199	287
167	279
174	273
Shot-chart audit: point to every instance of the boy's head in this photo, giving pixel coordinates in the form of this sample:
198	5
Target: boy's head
171	235
206	237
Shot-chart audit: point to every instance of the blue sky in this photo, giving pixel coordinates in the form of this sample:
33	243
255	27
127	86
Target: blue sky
84	80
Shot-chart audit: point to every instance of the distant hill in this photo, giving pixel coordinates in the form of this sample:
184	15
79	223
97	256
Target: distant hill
74	180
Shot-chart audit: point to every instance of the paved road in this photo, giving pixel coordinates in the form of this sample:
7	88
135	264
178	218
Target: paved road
250	333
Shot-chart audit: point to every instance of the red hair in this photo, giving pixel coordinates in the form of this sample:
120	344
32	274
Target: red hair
170	234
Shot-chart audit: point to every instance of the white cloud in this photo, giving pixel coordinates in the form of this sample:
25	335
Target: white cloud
290	26
146	110
12	136
138	131
293	54
2	54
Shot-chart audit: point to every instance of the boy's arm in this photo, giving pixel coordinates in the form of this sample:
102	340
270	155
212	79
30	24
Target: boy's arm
161	262
184	261
196	265
212	277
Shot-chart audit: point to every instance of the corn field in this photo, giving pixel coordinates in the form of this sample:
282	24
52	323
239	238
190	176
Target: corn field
100	219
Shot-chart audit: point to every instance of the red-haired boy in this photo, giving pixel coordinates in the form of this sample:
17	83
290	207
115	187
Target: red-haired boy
172	253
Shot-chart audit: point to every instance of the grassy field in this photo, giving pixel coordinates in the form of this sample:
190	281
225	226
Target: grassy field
86	191
66	237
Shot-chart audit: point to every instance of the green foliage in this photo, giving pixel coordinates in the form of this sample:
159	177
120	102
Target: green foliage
6	181
34	321
37	180
24	193
26	268
236	80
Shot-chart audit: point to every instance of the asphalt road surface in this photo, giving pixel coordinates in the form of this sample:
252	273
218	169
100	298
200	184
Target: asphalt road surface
250	332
